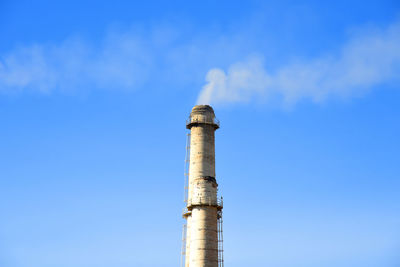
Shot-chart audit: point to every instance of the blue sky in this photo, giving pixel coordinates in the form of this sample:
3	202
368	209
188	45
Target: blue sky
93	102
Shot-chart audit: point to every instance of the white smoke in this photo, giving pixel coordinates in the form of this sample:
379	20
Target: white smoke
362	63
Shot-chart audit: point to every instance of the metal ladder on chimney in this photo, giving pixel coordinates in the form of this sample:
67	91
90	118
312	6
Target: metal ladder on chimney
185	197
220	241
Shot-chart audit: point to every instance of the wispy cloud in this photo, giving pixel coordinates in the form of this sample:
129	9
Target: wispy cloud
120	61
367	60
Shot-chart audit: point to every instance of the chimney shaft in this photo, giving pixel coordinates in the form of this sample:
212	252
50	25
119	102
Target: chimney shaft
203	207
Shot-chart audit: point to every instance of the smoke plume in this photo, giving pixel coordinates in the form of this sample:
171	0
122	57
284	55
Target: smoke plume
365	61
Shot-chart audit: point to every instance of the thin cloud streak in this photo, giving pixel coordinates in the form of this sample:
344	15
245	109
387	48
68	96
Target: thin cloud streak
363	62
121	61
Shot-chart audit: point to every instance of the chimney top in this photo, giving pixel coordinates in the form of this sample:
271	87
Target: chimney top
202	114
203	109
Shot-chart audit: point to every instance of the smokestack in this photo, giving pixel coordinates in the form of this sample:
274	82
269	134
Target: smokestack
203	210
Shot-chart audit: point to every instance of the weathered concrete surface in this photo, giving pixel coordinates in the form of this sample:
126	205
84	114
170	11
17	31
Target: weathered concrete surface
202	229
